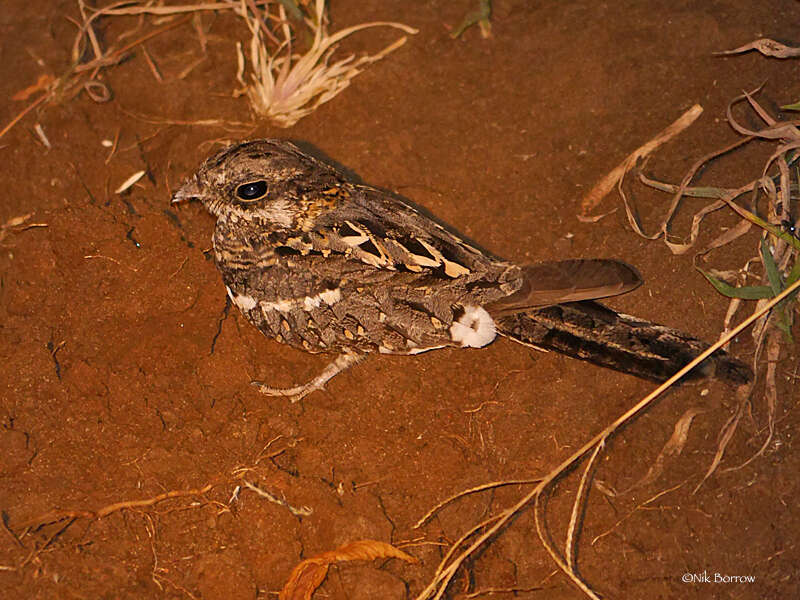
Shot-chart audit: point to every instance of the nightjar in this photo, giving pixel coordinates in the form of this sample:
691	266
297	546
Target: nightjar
323	263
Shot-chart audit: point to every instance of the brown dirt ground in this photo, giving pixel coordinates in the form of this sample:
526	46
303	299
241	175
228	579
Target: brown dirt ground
121	379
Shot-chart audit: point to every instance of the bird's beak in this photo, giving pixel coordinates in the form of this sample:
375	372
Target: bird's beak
188	191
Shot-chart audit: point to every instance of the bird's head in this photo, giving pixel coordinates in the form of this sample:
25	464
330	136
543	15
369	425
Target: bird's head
259	181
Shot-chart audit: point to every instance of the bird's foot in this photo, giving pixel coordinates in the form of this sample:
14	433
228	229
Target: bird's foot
298	392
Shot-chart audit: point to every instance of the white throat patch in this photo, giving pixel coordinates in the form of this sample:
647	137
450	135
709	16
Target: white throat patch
474	329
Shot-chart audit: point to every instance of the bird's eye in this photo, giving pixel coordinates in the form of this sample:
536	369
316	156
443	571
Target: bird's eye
251	191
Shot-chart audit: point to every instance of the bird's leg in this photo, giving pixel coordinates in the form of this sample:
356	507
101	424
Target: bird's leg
298	392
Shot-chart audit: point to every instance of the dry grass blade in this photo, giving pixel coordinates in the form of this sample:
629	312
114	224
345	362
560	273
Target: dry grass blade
779	254
784	252
726	237
605	185
61	515
76	78
541	530
155	120
120	9
480	488
43	98
285	87
16	224
774	131
680	248
682	190
302	511
114	56
578	506
130	181
726	435
771	393
461	541
632	511
786	132
673	447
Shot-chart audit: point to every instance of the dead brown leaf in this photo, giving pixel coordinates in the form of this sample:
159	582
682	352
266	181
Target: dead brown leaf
743	394
308	575
673	447
767	47
604	186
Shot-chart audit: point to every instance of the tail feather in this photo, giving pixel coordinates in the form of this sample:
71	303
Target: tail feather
590	331
572	280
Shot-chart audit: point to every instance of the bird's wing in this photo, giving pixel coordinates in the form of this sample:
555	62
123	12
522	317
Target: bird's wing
376	228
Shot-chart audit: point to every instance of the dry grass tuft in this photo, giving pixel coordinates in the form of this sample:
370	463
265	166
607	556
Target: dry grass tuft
285	87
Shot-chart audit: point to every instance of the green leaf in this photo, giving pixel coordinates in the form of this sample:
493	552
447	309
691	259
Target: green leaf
480	15
293	9
752	292
784	324
794	274
776	231
795	106
691	192
772	269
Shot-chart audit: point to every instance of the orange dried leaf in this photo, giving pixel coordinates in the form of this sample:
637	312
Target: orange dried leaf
307	576
366	550
41	84
304	579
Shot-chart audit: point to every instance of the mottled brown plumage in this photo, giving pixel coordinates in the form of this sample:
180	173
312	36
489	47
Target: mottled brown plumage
325	264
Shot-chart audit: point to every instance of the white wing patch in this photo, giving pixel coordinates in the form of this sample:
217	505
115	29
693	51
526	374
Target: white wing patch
244	302
247	303
474	329
280	305
329	297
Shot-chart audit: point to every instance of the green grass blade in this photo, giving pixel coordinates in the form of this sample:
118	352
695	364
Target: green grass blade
482	14
293	9
776	231
772	269
783	323
752	292
794	274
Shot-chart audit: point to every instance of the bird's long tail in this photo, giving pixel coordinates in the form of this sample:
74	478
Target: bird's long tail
592	332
